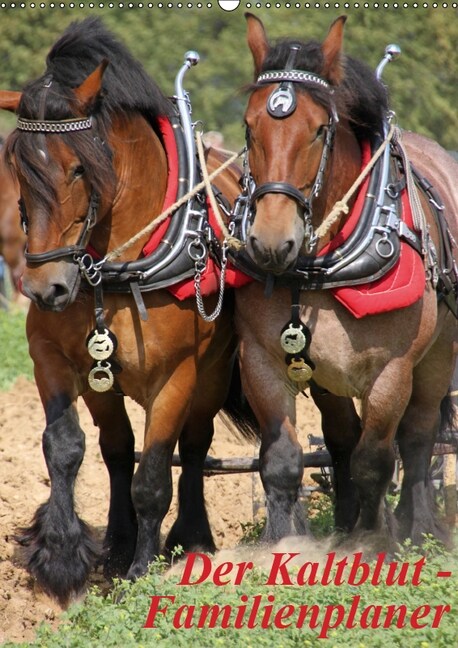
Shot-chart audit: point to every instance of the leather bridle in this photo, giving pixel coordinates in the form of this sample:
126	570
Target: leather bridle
78	250
288	78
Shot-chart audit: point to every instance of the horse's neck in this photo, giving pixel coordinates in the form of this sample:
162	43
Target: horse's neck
344	167
141	169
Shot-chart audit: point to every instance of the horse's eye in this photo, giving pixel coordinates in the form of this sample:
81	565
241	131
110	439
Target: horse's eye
247	135
320	132
78	171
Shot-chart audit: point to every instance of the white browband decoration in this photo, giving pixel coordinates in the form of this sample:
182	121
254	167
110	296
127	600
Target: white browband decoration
57	126
294	76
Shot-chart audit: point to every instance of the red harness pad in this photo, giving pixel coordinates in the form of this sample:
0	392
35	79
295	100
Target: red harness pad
401	286
210	278
168	140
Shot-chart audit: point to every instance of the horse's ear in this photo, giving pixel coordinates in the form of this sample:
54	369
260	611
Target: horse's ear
91	87
9	100
257	41
332	51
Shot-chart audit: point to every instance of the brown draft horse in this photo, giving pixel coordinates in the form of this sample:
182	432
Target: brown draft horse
102	108
12	237
399	364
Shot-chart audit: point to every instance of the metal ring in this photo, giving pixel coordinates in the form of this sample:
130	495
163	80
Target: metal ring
385	241
391	191
197	244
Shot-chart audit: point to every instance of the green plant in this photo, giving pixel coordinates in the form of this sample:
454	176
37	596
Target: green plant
119	619
320	513
14	356
252	531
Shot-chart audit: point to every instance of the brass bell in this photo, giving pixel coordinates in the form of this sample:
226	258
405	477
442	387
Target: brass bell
100	345
292	339
299	371
101	378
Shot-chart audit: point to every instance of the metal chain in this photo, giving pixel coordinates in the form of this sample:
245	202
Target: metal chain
200	267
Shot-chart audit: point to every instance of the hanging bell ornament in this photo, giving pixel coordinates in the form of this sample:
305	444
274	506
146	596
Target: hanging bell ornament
100	377
299	371
100	344
293	339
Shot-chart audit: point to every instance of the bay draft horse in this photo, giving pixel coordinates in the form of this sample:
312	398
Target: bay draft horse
399	364
12	237
102	108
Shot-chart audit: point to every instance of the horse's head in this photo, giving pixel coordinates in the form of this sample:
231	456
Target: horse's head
54	152
81	127
291	121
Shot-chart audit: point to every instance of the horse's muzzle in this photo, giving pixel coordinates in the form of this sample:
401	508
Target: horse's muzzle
52	291
276	260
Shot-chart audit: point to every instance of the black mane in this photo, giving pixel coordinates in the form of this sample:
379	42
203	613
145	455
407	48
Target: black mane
361	98
81	48
126	89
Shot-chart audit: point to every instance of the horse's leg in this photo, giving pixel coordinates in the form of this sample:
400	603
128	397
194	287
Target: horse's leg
191	529
117	445
372	462
416	511
59	547
152	482
341	427
281	463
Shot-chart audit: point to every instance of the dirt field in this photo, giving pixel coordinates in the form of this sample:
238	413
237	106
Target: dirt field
24	485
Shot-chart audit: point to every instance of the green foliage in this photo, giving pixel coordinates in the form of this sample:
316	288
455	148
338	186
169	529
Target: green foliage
118	619
321	515
14	357
422	83
252	531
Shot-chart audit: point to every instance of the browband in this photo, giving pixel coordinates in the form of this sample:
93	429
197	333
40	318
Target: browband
294	76
51	126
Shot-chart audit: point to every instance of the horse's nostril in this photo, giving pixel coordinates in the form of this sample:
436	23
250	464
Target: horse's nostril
253	243
60	290
55	295
259	252
284	251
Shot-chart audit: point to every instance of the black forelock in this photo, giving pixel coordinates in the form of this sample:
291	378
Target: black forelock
126	89
360	97
82	47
